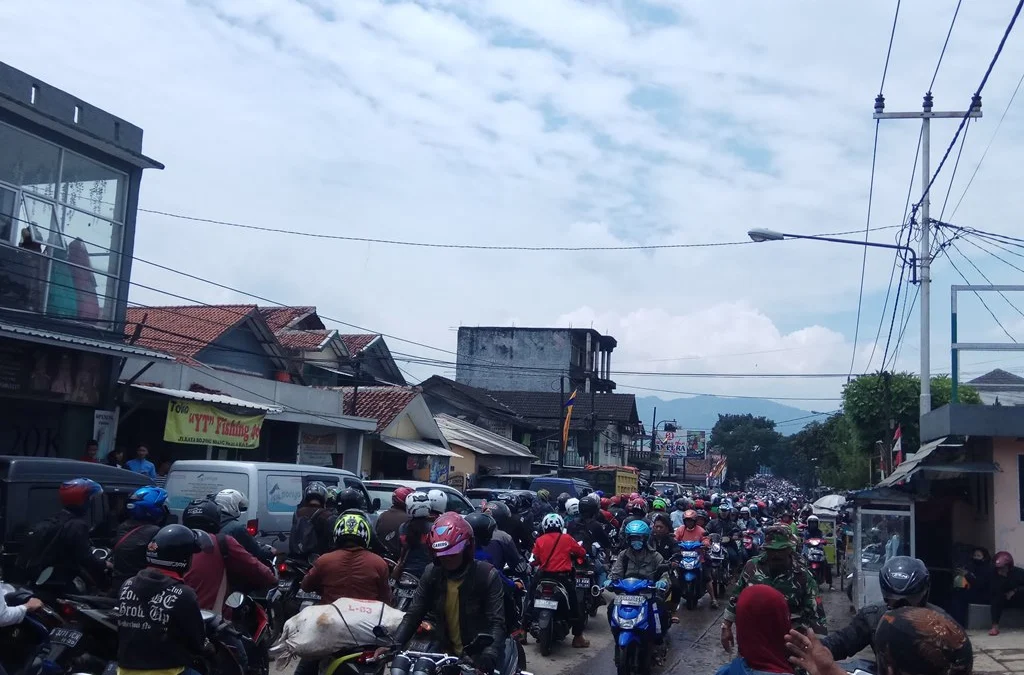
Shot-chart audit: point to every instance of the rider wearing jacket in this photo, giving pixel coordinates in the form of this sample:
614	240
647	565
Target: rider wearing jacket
147	512
233	504
639	561
554	553
392	519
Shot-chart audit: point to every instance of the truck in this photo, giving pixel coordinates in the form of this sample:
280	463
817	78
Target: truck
611	480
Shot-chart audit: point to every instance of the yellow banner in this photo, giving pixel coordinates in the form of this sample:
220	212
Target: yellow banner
202	424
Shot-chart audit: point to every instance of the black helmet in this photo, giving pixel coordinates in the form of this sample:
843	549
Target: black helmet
590	505
483	527
904	581
202	514
349	498
172	548
315	490
562	499
681	504
500	512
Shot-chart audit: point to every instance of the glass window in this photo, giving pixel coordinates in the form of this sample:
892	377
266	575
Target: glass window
92	244
41	218
882	538
92	187
8	199
28	162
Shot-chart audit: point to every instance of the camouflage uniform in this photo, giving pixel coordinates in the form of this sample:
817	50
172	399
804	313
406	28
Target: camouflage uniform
798	584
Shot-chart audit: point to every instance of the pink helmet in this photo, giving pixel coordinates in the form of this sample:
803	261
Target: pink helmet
450	534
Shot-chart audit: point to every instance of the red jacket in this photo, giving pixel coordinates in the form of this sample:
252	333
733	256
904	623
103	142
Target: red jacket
612	520
554	552
213	581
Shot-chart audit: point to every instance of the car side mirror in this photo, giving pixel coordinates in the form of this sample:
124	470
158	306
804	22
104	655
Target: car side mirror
235	600
375	503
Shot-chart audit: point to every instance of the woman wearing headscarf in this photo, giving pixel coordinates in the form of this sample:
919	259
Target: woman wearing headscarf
762	623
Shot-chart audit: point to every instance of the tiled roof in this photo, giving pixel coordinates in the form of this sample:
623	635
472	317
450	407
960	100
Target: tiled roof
544	409
304	340
383	404
358	342
184	330
998	378
279	318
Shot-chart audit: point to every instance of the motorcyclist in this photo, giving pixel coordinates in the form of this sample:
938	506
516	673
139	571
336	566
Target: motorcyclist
692	531
617	509
662	539
554	553
233	504
388	522
813	530
639	561
156	608
677	514
413	533
313	508
464	595
510	524
590	531
352	570
540	508
905	581
147	513
659	505
62	541
572	510
491	551
746	521
637	511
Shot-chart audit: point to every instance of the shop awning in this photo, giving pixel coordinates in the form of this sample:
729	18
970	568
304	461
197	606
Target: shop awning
326	420
965	467
418	447
216	399
47	337
479	440
915	462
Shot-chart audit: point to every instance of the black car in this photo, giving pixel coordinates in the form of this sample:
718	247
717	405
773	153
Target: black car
479	495
28	495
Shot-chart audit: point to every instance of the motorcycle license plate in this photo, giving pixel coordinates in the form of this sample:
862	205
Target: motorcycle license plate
65	636
583	582
307	595
631	600
404	593
540	603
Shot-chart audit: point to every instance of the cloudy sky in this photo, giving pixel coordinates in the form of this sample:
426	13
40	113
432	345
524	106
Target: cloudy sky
556	123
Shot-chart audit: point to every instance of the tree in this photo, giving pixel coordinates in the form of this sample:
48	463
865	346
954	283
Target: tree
826	452
747	442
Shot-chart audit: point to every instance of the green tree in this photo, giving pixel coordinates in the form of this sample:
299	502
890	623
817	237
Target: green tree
747	442
826	453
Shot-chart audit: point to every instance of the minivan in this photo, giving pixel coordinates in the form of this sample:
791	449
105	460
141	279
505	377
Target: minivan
574	487
274	490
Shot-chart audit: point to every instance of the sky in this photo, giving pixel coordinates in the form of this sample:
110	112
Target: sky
561	123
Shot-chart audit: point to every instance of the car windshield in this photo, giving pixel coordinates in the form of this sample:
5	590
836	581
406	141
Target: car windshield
381	493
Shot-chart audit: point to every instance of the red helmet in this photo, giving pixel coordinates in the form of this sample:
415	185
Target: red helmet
1003	559
699	503
77	492
689	514
450	534
399	495
638	504
616	500
635	495
762	505
605	503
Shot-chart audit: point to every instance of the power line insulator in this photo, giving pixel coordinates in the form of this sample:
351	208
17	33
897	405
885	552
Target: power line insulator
879	104
928	100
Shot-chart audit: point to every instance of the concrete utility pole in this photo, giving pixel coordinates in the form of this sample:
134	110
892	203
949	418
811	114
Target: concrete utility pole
926	116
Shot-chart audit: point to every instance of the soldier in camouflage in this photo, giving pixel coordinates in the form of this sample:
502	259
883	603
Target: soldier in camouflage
779	568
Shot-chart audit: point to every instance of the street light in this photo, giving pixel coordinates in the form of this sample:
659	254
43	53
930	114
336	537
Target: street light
762	234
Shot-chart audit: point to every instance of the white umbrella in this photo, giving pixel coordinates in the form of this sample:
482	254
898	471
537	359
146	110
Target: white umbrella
830	504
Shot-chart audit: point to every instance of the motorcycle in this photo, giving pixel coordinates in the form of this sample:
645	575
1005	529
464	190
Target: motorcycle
20	642
632	616
689	571
254	631
408	662
815	554
402	590
588	592
84	640
719	565
549	609
288	599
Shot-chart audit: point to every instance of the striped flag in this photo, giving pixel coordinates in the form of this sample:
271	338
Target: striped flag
568	405
897	447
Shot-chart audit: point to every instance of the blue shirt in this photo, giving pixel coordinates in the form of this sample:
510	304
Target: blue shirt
143	466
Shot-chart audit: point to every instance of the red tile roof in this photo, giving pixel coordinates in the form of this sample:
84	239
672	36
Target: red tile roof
183	330
358	342
279	318
383	404
303	340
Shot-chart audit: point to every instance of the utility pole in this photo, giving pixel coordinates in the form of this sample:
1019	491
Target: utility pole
926	116
564	444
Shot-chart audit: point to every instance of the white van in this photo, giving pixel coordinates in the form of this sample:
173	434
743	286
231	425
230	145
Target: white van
274	489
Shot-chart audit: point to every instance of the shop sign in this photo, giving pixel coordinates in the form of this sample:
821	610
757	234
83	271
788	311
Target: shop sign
682	443
317	449
196	423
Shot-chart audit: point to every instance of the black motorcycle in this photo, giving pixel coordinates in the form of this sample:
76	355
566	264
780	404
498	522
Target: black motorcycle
407	662
549	611
20	642
288	599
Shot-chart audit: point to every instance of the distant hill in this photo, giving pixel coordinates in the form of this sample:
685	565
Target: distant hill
701	412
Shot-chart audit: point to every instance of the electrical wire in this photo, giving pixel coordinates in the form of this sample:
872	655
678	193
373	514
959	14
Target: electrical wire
694	393
976	293
888	52
944	45
867	234
989	282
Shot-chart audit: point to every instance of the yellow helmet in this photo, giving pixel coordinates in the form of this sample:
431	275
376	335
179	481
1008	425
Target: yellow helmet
352	527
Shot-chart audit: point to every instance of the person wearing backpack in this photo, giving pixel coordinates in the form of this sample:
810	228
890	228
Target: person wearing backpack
147	513
232	505
62	542
313	524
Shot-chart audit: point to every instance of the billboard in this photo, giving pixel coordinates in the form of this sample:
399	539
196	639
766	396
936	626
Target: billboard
682	443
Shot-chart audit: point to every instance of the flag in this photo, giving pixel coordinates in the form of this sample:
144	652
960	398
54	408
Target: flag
568	405
897	446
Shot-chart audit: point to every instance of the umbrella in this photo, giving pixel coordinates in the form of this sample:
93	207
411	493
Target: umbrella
829	504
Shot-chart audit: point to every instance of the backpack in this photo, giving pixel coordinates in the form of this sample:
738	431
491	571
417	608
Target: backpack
41	548
304	540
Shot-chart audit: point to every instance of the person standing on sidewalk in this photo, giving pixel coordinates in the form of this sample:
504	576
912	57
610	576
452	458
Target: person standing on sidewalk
1007	588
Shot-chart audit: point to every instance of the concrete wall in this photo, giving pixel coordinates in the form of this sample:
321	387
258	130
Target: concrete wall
480	349
1008	530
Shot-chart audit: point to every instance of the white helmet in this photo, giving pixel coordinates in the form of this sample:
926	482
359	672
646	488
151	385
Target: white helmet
231	502
552	523
438	500
417	505
572	507
812	517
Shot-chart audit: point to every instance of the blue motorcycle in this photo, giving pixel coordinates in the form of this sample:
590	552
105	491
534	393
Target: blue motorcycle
690	573
634	621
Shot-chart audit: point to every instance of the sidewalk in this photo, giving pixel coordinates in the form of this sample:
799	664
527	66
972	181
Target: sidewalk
1003	653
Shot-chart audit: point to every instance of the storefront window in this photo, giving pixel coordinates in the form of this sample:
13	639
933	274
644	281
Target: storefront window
27	162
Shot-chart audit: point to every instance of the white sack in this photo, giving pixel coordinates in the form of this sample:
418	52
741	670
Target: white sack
320	631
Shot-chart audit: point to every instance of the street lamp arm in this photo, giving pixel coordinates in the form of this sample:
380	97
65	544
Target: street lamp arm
769	235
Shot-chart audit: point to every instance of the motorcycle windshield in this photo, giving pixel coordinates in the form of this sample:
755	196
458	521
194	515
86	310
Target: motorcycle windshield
633	585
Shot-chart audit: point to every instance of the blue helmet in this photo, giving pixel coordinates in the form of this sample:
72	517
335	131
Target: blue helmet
147	504
638	533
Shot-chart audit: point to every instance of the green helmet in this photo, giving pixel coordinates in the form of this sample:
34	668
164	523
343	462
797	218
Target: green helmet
659	505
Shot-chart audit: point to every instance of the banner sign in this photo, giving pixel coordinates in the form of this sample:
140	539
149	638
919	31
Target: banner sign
682	443
197	423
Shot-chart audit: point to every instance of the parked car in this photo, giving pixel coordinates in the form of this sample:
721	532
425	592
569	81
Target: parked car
519	481
28	494
574	487
661	487
477	496
274	490
384	488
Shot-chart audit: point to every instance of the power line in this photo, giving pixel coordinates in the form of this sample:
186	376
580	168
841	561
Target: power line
988	281
944	45
695	393
888	52
984	304
867	231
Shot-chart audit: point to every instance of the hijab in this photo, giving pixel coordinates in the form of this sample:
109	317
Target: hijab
762	619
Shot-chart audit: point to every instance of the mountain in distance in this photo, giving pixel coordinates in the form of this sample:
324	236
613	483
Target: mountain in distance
701	412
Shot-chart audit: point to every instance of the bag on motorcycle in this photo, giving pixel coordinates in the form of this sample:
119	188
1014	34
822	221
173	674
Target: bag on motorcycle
322	630
304	540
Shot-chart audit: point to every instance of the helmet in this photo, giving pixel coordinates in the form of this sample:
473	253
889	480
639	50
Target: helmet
638	534
552	523
724	509
172	548
590	505
315	490
78	492
753	509
680	504
572	507
399	495
417	505
438	500
483	527
231	502
202	514
605	503
349	498
616	500
543	495
812	519
689	515
332	496
449	535
352	528
638	506
659	505
904	581
562	499
1003	559
744	510
699	503
761	505
147	504
701	513
500	512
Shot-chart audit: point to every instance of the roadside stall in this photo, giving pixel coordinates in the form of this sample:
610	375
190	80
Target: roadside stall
827	509
883	527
